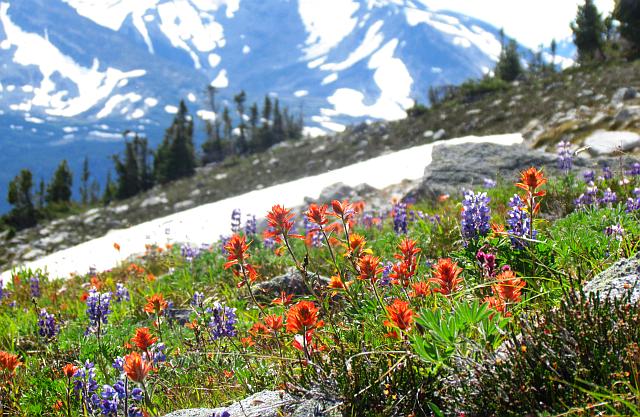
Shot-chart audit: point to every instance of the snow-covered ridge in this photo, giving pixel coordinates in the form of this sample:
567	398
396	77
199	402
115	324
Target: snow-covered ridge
198	225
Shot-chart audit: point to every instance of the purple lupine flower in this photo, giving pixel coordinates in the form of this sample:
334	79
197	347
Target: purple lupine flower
34	285
223	243
519	223
236	220
157	353
385	281
607	174
635	169
312	231
367	220
97	310
488	183
223	413
250	226
2	293
122	293
189	253
47	326
589	198
86	387
400	218
565	156
615	231
609	197
197	301
475	215
113	399
118	364
589	176
222	322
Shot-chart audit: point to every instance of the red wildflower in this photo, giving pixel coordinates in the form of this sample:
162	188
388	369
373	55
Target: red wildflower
336	283
400	314
342	210
317	214
259	329
496	303
273	322
143	339
9	362
156	304
135	367
420	289
116	247
237	248
247	341
357	245
58	405
370	268
284	299
508	287
405	269
446	276
302	316
69	370
280	223
305	344
530	180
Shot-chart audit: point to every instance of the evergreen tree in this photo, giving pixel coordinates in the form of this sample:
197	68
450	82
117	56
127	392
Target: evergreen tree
212	148
84	182
59	189
241	141
509	67
253	126
94	192
588	32
627	12
278	123
110	190
23	213
40	195
266	136
175	157
554	53
134	173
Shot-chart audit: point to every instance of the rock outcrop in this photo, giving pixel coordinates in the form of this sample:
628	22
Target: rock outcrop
620	280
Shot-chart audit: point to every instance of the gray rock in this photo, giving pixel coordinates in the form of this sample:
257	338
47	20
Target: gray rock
602	142
428	133
267	404
181	205
624	94
458	167
154	200
290	282
341	191
618	280
626	114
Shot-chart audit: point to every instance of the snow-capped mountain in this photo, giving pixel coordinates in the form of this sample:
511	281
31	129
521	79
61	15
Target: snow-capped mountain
77	73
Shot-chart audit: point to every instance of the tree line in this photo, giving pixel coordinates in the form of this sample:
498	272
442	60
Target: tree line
138	167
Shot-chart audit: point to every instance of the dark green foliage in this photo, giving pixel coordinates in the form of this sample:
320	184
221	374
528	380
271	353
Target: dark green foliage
59	189
19	196
212	148
134	173
241	140
84	182
110	190
175	157
627	12
509	67
588	32
543	367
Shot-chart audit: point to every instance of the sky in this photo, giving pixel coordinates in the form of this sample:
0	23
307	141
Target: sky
530	22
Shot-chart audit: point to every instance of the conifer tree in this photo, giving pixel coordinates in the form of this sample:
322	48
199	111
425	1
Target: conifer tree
110	190
266	136
134	173
554	53
588	32
40	195
627	12
509	67
19	196
241	141
278	123
253	126
84	182
175	157
212	148
59	189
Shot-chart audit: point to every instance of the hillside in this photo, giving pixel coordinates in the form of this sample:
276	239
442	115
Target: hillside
566	105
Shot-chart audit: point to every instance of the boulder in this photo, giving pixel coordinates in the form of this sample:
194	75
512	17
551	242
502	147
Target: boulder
341	191
618	281
624	94
602	142
440	134
266	404
457	167
291	282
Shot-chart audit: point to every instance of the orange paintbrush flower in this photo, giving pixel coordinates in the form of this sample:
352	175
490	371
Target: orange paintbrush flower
236	247
273	322
336	283
400	315
369	267
302	316
284	299
156	304
69	370
135	367
446	276
508	287
9	362
317	214
420	289
143	339
530	180
406	268
342	210
408	249
280	223
357	245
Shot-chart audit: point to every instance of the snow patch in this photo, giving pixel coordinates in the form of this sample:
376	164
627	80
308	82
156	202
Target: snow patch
206	115
372	41
329	79
336	127
221	81
105	136
35	120
191	97
301	93
246	49
214	60
151	102
199	224
137	114
114	101
171	109
313	131
327	22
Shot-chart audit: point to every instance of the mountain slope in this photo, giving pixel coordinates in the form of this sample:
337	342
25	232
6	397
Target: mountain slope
76	73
